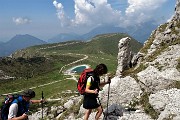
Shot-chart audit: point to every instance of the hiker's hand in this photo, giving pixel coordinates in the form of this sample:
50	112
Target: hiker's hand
109	80
96	91
25	116
42	101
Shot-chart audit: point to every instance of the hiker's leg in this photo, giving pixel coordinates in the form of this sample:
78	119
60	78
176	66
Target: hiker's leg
87	113
99	112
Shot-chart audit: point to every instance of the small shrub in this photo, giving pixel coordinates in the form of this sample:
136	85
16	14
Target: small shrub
148	43
175	84
144	101
133	71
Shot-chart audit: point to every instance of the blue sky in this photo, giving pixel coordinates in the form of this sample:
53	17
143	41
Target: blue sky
47	18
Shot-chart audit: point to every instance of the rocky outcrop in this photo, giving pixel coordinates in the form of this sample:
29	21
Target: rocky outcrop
124	55
162	56
3	76
166	34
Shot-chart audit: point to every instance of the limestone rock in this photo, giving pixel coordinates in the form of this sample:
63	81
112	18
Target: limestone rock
167	103
122	91
124	55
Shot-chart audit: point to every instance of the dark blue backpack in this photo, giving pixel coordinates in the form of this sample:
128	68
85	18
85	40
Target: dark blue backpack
6	104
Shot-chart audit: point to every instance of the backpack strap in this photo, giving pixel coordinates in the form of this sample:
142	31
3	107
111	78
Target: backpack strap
90	83
92	78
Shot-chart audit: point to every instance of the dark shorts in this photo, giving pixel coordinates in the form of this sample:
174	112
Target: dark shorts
90	102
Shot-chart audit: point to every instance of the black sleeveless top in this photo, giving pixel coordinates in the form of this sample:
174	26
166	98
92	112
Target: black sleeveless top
95	82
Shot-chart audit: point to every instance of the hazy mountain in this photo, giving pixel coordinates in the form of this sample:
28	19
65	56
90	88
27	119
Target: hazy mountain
19	42
102	30
141	32
96	31
138	32
64	37
1	42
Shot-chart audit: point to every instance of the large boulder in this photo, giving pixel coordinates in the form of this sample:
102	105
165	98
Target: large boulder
122	91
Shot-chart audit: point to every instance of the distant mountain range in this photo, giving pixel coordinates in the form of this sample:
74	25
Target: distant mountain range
19	42
139	33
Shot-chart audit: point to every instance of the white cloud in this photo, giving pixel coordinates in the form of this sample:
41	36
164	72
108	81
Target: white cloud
100	12
88	13
142	10
95	12
65	21
21	20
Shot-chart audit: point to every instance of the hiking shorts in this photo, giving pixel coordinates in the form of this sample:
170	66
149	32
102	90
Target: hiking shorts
90	102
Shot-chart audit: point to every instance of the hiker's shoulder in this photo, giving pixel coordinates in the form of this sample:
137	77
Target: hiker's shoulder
18	99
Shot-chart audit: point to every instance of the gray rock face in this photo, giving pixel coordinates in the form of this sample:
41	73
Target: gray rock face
137	59
167	102
153	80
168	58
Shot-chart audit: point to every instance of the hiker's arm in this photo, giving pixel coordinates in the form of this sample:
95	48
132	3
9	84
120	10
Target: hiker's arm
88	85
37	101
108	81
91	91
22	117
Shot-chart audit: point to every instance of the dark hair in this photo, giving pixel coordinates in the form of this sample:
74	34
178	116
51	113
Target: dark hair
28	93
100	69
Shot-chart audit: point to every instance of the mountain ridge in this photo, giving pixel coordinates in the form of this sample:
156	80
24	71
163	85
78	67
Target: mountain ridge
98	43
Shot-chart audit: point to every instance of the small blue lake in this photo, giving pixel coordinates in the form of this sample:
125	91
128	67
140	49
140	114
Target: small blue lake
79	69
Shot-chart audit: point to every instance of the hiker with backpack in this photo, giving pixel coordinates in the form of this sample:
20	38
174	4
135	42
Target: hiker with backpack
92	88
18	109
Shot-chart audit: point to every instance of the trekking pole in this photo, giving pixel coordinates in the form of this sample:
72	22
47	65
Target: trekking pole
107	101
42	104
